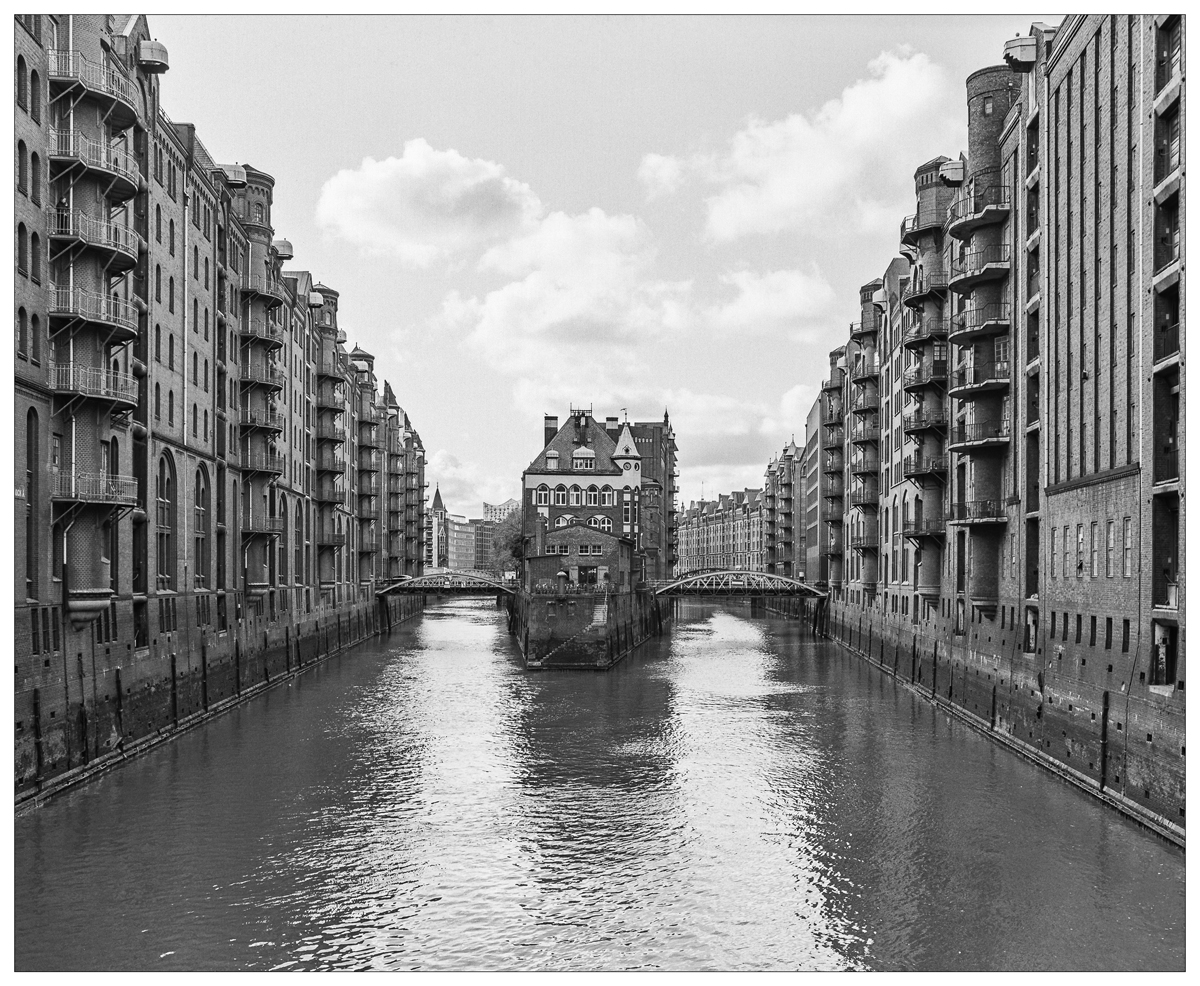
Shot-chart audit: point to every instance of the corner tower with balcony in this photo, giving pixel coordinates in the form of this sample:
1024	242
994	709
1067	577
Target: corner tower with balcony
864	357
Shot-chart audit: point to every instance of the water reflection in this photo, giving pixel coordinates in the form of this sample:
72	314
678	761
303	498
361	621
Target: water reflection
735	795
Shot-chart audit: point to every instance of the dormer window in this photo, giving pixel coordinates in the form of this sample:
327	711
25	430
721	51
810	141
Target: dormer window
551	460
583	462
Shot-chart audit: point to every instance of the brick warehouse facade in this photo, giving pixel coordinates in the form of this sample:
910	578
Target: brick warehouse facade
1029	365
209	486
726	533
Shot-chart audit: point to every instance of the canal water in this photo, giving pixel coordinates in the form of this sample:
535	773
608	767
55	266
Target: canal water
736	795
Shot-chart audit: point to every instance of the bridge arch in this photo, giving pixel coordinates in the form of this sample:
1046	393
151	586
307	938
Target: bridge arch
736	583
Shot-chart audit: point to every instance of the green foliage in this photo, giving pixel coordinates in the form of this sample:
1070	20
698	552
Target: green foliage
507	543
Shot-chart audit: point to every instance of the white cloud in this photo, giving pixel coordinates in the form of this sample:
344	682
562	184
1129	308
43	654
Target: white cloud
661	174
833	171
425	204
464	486
782	299
580	288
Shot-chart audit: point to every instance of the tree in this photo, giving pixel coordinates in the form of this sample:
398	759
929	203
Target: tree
508	544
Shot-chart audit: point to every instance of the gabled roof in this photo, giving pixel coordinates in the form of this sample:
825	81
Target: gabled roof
626	446
591	436
437	499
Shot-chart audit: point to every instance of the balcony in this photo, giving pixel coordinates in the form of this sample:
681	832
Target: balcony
834	438
328	462
865	435
95	487
980	378
974	267
330	400
978	512
368	461
87	381
1166	465
923	220
925	373
986	434
923	287
865	541
922	420
978	207
119	317
831	414
367	543
865	499
268	420
263	331
865	328
263	462
119	97
331	431
925	527
865	466
978	322
368	486
74	148
864	370
833	384
260	285
865	402
368	435
1166	341
916	466
261	373
833	546
932	327
331	539
257	523
332	370
118	243
329	493
833	489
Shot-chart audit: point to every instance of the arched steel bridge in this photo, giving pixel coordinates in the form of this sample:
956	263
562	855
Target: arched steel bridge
458	583
731	583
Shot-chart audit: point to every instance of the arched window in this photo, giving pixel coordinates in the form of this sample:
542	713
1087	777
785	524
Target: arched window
195	367
170	350
111	529
158	223
35	338
164	517
560	521
157	283
195	422
283	540
593	521
158	343
35	96
22	84
593	496
206	324
606	496
206	376
560	496
170	407
195	314
543	494
22	168
157	402
606	524
297	574
171	236
201	556
576	496
22	249
33	472
35	258
258	213
22	332
35	179
206	425
170	294
206	273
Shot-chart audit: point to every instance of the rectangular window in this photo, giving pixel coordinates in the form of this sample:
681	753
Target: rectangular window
1127	553
1078	628
1108	633
1109	545
1053	623
1095	556
1092	637
1125	636
1053	558
1079	551
597	549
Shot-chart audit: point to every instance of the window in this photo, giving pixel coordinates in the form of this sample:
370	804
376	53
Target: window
35	181
22	249
196	315
1095	546
22	332
1053	555
195	422
170	407
543	496
22	84
988	106
258	213
165	522
158	343
607	498
200	553
195	367
597	549
576	496
22	168
170	350
1078	628
157	402
1127	552
171	236
1079	551
195	262
560	521
171	294
593	496
606	524
33	473
35	97
583	462
560	496
552	461
35	258
1109	545
158	223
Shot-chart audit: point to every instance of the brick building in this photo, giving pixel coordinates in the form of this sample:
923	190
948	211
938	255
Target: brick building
202	466
1025	359
728	533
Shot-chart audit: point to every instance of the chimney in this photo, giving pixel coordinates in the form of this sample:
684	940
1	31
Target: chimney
611	426
551	429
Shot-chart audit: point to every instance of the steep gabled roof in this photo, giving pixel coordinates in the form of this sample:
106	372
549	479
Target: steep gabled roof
626	446
598	443
437	499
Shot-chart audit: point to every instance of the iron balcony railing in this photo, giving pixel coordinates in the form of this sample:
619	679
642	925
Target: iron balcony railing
263	373
865	539
1166	465
927	283
917	465
974	202
926	372
94	382
924	527
267	331
333	431
1166	341
94	154
72	66
95	487
982	318
833	383
261	419
78	225
866	326
331	539
94	307
973	261
867	400
832	488
258	282
865	464
865	498
982	373
263	462
831	547
330	463
867	433
977	510
865	369
368	486
926	217
934	418
330	400
831	414
257	523
834	438
932	327
980	431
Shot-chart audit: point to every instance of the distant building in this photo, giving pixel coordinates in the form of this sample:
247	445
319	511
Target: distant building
498	511
726	533
460	543
437	537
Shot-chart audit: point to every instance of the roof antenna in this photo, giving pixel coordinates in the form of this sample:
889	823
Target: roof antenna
625	410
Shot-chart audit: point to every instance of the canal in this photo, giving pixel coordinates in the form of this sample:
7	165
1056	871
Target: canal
736	795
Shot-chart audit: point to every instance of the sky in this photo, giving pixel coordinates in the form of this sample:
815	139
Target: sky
633	214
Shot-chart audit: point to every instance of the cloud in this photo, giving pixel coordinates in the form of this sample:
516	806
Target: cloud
464	486
425	205
662	175
579	289
832	171
782	299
